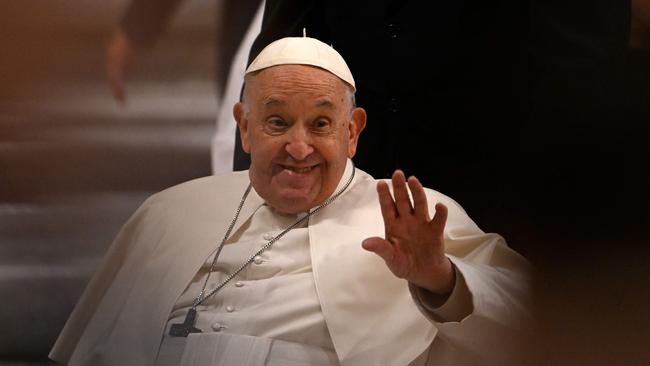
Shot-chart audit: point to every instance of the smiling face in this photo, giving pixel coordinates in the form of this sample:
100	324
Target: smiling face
299	125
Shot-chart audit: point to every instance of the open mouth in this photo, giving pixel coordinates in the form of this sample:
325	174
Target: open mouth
300	170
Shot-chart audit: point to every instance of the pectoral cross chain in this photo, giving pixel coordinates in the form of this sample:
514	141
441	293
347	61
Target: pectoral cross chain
186	327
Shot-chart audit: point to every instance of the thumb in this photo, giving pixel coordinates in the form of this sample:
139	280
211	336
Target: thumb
379	246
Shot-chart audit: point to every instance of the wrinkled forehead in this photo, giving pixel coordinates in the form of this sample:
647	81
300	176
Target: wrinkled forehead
286	81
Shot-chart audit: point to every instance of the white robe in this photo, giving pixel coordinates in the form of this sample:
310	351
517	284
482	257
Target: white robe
370	314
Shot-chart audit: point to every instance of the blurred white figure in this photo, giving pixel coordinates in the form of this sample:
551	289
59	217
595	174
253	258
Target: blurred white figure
223	140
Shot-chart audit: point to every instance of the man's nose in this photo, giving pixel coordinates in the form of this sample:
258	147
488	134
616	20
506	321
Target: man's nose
299	145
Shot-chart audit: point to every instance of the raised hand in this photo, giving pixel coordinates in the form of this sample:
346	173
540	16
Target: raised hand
413	247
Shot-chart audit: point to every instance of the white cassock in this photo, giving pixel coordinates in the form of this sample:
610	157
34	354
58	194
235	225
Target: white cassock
316	297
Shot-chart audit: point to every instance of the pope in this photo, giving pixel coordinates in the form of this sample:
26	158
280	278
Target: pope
303	259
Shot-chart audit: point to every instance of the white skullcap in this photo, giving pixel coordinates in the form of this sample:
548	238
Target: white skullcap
302	51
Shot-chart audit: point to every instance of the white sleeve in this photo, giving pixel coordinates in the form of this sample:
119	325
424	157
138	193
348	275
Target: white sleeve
487	315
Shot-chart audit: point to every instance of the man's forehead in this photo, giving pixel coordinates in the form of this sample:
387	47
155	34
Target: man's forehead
279	86
286	80
280	101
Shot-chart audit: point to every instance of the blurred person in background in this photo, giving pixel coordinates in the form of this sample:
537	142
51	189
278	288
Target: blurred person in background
145	21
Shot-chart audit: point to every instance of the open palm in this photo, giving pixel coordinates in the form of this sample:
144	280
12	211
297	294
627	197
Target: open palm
413	246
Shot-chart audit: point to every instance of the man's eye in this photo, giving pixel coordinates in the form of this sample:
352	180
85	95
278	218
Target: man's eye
321	124
277	123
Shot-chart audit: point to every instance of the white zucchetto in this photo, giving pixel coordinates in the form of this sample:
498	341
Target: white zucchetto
302	51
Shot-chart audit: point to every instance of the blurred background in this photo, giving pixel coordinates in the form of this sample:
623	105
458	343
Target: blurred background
74	164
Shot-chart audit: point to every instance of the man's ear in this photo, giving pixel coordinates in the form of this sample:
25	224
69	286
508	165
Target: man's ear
357	124
242	122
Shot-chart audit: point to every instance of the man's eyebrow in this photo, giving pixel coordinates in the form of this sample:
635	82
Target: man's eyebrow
271	102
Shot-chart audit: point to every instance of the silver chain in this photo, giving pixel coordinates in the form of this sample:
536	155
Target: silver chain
200	299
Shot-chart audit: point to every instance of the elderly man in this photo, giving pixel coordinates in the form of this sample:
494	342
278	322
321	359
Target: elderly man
268	267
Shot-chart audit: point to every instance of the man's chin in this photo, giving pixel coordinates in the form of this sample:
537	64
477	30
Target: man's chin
294	201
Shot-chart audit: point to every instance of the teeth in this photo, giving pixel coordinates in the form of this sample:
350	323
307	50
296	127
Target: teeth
298	170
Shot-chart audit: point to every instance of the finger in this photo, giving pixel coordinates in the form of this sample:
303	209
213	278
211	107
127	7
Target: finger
115	67
402	201
420	205
119	54
439	219
388	210
379	246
